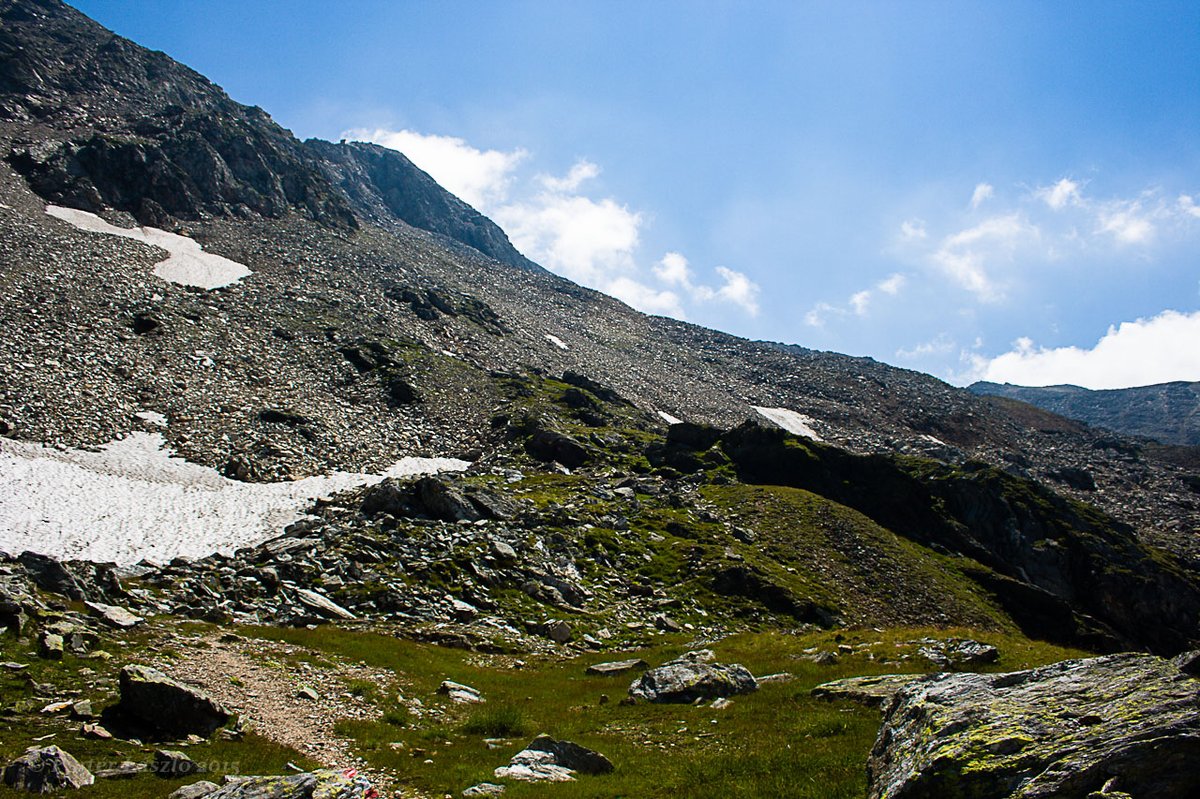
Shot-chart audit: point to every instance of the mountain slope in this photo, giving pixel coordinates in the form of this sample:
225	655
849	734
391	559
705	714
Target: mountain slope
384	317
1167	412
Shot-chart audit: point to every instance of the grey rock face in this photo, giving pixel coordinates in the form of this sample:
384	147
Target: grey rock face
154	699
46	770
1058	731
616	667
169	763
195	790
325	784
688	680
548	760
873	691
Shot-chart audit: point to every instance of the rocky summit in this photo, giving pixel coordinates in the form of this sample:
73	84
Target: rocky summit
307	472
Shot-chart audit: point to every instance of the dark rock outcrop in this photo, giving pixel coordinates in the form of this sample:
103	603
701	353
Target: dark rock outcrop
1060	731
154	700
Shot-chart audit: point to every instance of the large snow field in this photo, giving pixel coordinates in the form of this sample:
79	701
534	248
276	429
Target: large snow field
134	499
187	263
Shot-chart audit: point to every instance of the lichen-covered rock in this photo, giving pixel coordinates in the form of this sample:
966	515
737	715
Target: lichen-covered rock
324	784
1061	731
155	700
873	691
687	679
46	770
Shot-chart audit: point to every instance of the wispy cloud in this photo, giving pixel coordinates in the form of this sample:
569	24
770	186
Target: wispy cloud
1146	351
556	221
1061	194
965	256
983	192
857	304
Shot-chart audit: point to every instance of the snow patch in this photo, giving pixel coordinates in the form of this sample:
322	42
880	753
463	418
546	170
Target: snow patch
668	418
556	341
152	417
793	422
187	263
134	499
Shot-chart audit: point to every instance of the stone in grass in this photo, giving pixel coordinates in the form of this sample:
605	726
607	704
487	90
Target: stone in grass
154	699
483	789
690	679
460	694
50	646
873	691
325	784
45	770
616	667
172	764
548	760
125	770
194	791
1057	731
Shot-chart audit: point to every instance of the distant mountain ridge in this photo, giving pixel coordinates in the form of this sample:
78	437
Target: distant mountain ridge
1166	412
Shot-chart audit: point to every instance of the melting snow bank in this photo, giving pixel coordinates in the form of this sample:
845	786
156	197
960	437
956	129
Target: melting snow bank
556	341
134	499
790	421
188	264
668	418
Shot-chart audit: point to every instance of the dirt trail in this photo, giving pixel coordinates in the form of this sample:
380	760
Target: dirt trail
261	682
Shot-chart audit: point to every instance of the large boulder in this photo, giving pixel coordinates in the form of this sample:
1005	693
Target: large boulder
46	770
155	700
873	691
548	760
1062	731
325	784
688	679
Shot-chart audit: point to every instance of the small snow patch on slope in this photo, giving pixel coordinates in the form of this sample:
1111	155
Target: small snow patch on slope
668	418
793	422
133	499
556	341
187	263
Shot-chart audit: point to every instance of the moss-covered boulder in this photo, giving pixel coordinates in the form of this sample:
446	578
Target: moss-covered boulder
1061	731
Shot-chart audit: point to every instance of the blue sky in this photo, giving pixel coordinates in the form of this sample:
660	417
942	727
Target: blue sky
973	189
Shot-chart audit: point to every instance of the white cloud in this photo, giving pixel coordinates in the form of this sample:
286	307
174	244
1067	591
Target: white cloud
892	284
1063	193
553	221
912	230
1126	223
860	301
965	255
1188	206
673	270
1143	352
480	178
820	312
581	171
584	239
983	192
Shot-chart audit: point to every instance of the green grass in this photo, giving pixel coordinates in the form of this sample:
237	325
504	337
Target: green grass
777	742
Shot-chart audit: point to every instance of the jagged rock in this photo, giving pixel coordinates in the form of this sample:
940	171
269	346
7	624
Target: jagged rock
51	575
688	680
154	699
616	667
194	791
462	694
958	653
46	770
126	770
548	760
1188	662
556	630
76	640
325	784
50	646
874	691
113	615
441	501
571	755
170	764
95	731
1057	731
552	446
323	604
